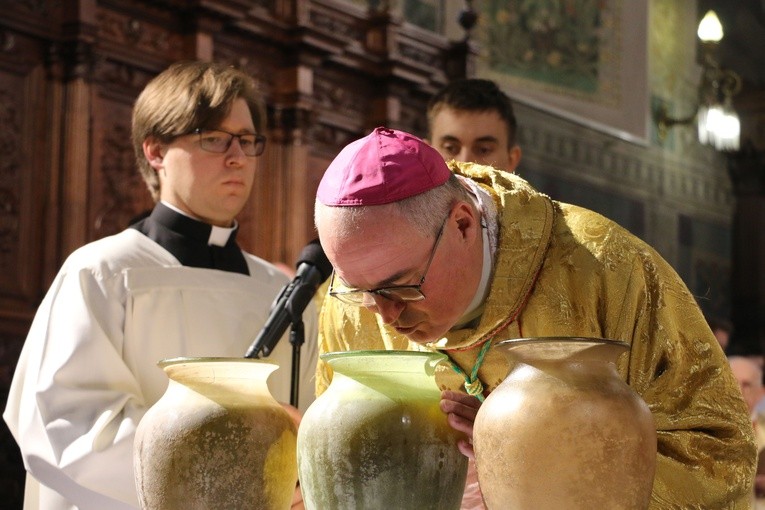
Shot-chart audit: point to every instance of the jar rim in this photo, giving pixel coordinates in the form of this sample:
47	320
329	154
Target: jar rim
573	339
381	352
383	362
191	360
561	347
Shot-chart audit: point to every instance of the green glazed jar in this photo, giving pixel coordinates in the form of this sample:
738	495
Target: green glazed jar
377	439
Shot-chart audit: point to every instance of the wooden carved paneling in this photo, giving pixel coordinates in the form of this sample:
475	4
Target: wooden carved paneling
37	17
335	25
26	149
328	139
257	58
339	94
134	37
121	81
117	189
23	172
263	221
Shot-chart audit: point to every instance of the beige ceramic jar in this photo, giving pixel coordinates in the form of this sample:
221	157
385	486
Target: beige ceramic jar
216	439
377	439
564	431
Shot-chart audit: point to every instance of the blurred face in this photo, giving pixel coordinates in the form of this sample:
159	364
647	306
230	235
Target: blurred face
476	137
746	375
387	250
209	186
722	338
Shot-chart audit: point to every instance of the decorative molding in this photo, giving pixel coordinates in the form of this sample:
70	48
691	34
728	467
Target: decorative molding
118	77
326	138
420	54
336	93
138	36
335	23
288	124
688	181
76	58
259	60
19	52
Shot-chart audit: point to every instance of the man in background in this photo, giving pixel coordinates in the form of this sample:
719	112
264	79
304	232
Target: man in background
175	283
472	120
749	376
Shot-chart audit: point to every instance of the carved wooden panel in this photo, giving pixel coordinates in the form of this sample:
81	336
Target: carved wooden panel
38	17
141	32
24	173
27	208
117	190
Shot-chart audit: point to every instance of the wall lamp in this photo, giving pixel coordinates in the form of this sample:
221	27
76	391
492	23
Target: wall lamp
717	122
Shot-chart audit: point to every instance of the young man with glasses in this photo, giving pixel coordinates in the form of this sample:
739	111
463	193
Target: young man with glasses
457	257
174	284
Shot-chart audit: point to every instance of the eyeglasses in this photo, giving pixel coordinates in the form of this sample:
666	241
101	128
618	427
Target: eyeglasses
397	293
219	141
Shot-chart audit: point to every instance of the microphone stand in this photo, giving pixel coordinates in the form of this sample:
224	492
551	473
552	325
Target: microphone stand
297	338
286	311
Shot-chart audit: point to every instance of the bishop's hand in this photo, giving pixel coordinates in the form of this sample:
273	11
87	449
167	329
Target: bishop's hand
461	410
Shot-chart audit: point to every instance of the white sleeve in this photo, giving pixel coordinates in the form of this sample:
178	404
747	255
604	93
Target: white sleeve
74	405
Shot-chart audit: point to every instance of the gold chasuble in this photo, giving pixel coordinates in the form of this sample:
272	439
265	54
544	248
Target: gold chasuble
561	270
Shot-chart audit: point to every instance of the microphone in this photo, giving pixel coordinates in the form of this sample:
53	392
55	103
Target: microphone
313	267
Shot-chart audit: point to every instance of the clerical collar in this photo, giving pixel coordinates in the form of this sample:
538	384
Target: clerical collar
219	236
489	231
193	242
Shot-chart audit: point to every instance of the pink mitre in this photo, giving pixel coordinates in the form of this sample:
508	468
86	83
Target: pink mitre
383	167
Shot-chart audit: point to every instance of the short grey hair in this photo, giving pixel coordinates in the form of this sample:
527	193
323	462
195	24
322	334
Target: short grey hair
425	212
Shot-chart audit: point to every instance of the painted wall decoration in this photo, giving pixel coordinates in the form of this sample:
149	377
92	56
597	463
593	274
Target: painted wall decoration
585	60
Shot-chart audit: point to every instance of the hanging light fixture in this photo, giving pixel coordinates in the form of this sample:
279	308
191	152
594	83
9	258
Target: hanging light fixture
717	122
710	28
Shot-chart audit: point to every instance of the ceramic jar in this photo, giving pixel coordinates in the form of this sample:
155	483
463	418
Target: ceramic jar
564	431
216	439
376	438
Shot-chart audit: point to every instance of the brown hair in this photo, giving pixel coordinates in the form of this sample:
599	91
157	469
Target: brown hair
184	97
